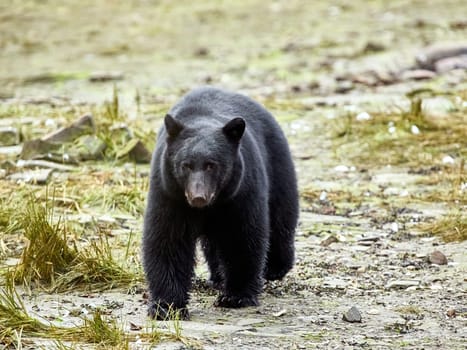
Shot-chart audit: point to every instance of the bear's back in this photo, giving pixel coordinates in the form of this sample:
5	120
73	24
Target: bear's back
217	106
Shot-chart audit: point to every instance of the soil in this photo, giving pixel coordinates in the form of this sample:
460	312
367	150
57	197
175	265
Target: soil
359	242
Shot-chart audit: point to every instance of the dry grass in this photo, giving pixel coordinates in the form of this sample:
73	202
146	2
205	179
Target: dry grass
370	142
15	321
52	258
450	228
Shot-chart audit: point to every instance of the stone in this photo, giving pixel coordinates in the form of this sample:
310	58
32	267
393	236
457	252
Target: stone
352	315
38	177
37	149
89	147
451	63
34	164
402	284
136	151
328	241
100	77
437	258
83	126
418	74
427	58
9	136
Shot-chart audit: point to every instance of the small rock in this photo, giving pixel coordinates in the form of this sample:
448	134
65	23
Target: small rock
437	258
33	164
99	77
344	87
352	315
9	136
448	160
89	147
11	150
363	116
427	58
341	168
418	74
328	241
38	177
2	173
402	284
280	313
447	64
414	130
451	313
83	126
36	149
136	150
323	196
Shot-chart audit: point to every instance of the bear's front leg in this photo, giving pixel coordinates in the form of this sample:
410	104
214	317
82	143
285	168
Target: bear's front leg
243	249
168	259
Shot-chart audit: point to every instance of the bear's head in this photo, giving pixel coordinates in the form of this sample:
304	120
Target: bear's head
204	158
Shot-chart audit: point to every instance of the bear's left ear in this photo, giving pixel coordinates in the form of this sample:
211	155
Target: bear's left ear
234	129
172	126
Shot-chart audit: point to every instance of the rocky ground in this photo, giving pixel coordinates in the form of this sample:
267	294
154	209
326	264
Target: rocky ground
373	99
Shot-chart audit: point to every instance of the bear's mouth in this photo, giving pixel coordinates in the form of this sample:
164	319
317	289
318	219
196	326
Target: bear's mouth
199	200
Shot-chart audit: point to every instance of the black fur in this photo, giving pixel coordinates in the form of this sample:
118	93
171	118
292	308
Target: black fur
221	173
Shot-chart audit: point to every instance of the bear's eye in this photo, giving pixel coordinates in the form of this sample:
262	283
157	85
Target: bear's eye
187	166
209	166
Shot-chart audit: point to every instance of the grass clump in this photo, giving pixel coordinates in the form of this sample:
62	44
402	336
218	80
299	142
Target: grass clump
104	332
450	228
15	321
53	259
47	252
405	138
13	316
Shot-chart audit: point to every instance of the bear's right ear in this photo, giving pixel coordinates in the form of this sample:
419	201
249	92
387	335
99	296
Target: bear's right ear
234	129
172	126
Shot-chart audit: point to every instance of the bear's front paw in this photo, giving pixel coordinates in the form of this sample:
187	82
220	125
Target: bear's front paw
163	311
232	301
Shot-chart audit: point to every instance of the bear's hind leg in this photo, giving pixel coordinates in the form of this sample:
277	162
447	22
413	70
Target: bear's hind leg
281	252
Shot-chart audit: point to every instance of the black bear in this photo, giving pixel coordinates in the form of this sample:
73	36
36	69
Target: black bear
221	174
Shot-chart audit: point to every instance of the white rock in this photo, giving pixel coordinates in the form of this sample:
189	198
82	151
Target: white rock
404	193
341	168
392	129
363	116
414	130
394	227
448	160
323	196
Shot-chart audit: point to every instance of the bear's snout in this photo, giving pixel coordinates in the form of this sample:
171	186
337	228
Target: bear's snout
198	192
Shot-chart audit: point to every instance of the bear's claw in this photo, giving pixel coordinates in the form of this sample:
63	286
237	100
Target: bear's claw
231	301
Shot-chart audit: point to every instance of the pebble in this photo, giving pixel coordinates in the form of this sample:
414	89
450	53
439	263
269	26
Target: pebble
402	284
33	164
39	177
352	315
328	241
448	160
418	74
414	130
451	63
428	57
437	258
363	116
9	136
96	77
341	168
